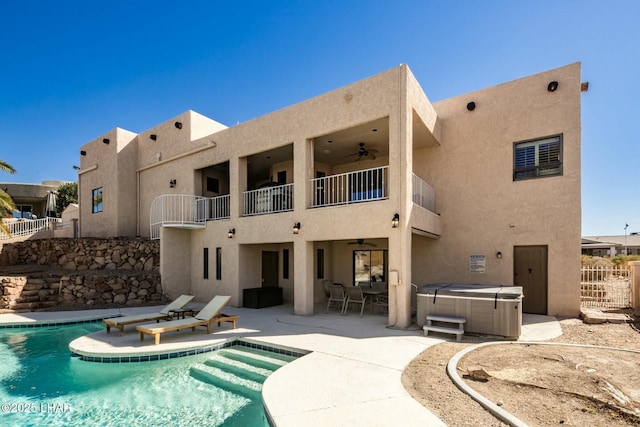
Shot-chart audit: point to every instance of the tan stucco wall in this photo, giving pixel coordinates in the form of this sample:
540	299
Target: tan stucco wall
483	210
103	167
466	156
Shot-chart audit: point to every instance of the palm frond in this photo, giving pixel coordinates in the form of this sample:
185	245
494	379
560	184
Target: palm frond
4	228
6	167
6	204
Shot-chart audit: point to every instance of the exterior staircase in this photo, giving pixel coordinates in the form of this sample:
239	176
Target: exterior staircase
32	293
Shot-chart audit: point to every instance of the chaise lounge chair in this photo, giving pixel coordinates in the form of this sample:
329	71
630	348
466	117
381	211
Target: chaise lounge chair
164	314
209	314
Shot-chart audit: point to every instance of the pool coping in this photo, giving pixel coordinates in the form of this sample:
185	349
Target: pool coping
207	348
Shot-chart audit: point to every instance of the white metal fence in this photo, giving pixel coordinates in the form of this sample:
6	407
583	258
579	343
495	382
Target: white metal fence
351	187
268	200
213	208
24	227
423	194
605	287
186	210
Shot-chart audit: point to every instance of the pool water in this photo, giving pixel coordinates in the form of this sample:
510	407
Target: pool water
42	385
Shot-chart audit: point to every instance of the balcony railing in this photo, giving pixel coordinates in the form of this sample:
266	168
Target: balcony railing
214	208
351	187
268	200
423	194
24	227
186	211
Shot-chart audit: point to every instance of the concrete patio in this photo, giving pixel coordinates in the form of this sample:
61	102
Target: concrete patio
351	376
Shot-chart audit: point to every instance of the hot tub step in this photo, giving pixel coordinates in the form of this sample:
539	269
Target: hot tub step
458	332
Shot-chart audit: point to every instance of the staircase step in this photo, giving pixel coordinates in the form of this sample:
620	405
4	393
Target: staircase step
239	369
226	381
448	319
255	357
445	330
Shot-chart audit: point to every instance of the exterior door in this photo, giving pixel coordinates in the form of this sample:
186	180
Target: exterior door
530	272
269	269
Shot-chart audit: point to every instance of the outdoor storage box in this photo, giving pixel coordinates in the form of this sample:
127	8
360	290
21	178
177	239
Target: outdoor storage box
492	310
262	297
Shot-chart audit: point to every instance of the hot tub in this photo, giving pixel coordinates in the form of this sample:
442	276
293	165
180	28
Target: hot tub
489	309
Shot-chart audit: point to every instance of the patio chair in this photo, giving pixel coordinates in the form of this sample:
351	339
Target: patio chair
325	285
209	314
337	295
381	303
355	296
164	314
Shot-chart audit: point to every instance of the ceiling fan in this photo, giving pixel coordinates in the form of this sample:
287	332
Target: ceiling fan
361	242
363	153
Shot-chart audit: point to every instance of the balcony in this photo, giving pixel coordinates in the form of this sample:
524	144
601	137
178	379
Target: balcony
27	227
268	200
351	187
423	194
186	211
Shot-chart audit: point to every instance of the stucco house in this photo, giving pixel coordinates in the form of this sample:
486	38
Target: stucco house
610	246
33	200
368	182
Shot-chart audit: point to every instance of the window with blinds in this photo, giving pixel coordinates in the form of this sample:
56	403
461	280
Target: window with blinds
537	158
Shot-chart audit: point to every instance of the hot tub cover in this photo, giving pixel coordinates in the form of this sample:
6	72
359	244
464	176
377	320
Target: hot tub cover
472	291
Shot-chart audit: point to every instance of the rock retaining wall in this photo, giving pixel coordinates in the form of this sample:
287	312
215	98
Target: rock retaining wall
38	291
85	254
79	273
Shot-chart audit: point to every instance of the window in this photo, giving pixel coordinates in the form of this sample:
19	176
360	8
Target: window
369	266
23	211
213	185
537	158
285	263
205	272
96	198
218	263
367	185
320	264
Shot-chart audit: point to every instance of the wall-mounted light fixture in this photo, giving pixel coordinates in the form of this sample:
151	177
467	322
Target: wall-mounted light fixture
471	106
153	136
296	228
499	255
83	153
172	183
178	125
105	140
395	221
232	232
552	86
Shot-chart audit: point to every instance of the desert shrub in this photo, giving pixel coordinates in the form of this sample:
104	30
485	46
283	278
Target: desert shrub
623	260
595	261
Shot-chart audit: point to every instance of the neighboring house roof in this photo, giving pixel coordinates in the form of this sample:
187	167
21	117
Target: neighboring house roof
632	240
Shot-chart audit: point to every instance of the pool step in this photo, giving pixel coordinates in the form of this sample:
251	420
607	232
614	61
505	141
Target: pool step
241	370
254	357
226	381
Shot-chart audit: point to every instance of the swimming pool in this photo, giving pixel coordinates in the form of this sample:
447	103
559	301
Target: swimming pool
41	385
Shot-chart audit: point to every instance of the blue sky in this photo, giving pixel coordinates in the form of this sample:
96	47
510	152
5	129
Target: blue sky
73	70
